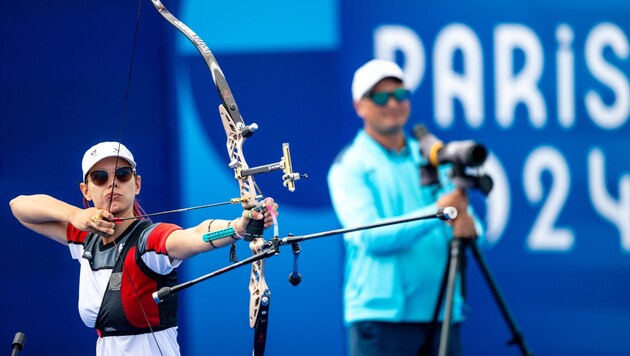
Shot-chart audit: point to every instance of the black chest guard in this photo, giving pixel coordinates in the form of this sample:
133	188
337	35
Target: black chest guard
128	307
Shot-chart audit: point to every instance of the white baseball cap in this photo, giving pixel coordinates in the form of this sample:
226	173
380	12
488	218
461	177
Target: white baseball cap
372	72
104	150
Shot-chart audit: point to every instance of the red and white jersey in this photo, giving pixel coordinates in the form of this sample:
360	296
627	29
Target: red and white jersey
96	269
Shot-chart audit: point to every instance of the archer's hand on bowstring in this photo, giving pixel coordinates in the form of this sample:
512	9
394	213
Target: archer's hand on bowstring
98	221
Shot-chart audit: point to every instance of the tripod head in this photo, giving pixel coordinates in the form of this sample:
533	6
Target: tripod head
463	155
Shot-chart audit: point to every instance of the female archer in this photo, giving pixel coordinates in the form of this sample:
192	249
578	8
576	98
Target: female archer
124	257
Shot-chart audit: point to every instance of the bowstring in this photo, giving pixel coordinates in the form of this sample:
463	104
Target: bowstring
120	134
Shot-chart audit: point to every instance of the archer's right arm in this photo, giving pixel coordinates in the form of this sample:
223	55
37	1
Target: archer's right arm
49	216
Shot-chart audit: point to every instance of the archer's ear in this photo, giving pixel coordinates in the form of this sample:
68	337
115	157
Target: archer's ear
138	184
84	191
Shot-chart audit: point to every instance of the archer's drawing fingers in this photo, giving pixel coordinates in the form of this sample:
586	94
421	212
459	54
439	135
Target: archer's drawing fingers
101	223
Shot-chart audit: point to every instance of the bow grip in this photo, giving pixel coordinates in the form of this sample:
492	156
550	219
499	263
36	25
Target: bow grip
254	229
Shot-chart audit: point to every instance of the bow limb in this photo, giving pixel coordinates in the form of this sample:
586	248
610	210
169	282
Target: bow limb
236	130
259	299
221	84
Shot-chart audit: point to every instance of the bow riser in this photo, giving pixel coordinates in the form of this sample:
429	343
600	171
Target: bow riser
234	144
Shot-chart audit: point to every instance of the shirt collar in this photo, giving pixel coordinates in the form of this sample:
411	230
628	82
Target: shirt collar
404	152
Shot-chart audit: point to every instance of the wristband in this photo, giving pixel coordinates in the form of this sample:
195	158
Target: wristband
235	235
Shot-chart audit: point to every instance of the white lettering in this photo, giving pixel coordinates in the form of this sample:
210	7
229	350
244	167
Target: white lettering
565	80
602	36
467	87
511	89
544	234
616	212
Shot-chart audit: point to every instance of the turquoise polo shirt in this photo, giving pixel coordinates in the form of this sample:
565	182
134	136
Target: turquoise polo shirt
392	273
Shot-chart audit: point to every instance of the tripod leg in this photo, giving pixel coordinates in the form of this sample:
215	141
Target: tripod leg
427	347
455	256
517	337
438	304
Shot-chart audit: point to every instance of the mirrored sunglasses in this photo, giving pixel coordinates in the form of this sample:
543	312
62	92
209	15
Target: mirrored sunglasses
101	177
381	98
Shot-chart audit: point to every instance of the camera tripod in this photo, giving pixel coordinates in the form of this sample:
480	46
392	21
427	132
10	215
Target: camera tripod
454	266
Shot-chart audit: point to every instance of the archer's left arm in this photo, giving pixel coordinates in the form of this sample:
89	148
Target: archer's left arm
183	244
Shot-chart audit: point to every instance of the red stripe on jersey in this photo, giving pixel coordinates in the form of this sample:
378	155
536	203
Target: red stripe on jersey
141	288
74	235
157	239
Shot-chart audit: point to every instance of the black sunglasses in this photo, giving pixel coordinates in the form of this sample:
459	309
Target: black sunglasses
381	98
101	177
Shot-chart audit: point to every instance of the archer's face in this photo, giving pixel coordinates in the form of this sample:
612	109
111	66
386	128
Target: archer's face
113	194
388	119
